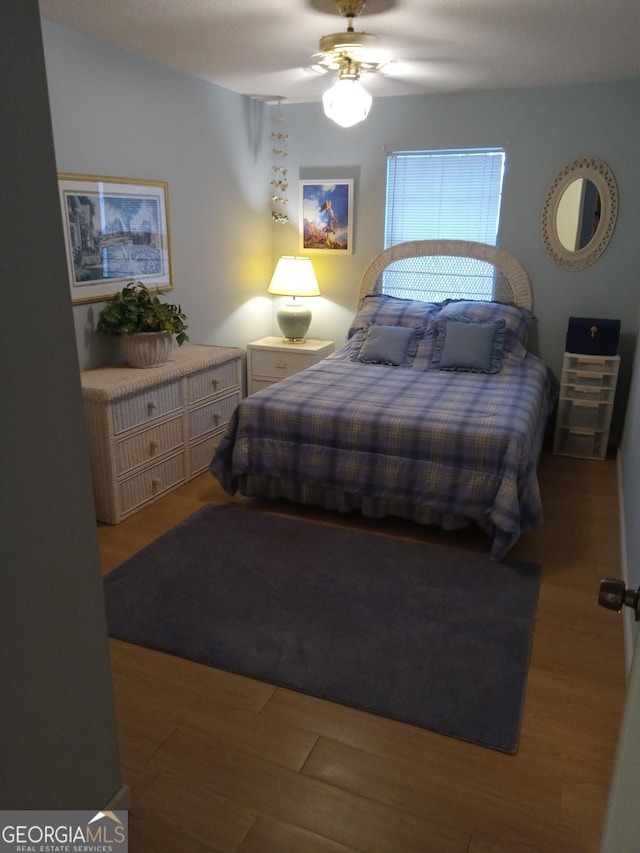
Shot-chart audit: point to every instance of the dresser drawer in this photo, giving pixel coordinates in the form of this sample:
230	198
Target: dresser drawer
213	415
585	444
151	430
151	483
259	384
606	364
201	453
152	443
584	414
603	394
589	378
146	406
212	380
279	364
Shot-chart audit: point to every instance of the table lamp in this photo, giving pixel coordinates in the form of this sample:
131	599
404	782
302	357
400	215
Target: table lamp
294	276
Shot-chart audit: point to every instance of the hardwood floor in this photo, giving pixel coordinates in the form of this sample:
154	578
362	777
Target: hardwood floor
217	762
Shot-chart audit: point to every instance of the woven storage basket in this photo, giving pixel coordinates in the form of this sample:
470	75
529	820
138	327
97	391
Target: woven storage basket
146	349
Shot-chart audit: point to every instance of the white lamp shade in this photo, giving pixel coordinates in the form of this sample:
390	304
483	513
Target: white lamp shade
294	276
347	102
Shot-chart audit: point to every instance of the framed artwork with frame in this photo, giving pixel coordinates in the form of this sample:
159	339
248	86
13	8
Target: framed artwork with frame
116	231
326	216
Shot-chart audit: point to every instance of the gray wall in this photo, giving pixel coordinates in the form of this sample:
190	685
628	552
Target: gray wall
116	115
58	742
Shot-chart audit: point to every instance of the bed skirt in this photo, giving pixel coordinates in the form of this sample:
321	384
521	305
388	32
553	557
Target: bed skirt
253	486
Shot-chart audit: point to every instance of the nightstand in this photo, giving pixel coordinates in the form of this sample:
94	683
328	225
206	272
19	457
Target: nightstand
269	360
587	391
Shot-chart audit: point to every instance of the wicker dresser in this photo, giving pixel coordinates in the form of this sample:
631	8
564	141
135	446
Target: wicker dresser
150	430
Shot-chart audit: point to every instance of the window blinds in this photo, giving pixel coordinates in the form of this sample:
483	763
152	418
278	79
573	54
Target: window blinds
435	195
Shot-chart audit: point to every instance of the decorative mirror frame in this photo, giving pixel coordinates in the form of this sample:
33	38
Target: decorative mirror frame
595	170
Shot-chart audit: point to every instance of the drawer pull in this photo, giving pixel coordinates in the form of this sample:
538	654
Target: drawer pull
151	405
215	382
156	483
215	417
153	446
281	365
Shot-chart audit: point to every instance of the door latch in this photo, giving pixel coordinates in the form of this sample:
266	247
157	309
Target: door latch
614	595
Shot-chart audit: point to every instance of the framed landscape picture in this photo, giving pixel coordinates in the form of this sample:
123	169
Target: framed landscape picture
326	216
116	231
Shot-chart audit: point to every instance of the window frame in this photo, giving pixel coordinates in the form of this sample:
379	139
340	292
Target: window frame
474	181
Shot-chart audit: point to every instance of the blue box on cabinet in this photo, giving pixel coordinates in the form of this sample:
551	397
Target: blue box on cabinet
593	336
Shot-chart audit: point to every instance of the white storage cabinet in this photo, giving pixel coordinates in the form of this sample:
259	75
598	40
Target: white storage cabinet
587	392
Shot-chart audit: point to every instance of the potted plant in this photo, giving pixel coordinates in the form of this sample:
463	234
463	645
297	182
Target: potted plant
144	323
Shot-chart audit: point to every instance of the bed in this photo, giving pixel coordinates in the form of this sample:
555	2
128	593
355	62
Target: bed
433	411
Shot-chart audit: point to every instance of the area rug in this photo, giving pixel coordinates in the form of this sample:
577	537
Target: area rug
432	636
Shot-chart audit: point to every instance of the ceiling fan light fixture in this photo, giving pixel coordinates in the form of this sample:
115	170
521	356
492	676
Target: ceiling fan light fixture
347	102
360	47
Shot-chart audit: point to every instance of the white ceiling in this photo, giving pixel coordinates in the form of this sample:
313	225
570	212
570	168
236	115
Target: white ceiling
263	48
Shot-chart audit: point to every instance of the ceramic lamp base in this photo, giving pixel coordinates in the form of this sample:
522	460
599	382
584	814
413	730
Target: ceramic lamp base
294	320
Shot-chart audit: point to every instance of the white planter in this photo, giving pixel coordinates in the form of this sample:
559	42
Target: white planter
146	349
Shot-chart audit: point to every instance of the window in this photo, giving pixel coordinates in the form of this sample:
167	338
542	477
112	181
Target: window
435	195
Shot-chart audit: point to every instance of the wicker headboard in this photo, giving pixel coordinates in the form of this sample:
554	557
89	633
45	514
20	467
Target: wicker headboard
427	258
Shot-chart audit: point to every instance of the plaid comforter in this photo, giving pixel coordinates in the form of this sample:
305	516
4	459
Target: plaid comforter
462	444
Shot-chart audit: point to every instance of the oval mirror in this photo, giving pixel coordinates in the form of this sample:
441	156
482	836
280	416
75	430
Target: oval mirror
579	213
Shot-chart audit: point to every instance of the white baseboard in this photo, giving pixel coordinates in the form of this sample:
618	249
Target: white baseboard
121	800
628	617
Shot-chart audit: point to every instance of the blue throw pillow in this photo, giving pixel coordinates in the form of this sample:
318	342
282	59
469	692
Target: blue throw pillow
383	310
394	345
469	345
517	319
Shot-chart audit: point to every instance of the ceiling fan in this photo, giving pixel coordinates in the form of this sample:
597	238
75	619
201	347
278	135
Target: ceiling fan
351	54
